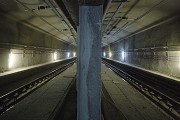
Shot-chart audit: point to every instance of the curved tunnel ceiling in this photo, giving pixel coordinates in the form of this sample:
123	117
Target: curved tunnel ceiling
42	15
126	18
122	18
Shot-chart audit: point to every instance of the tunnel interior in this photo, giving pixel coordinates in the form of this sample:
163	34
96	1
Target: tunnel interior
135	32
130	37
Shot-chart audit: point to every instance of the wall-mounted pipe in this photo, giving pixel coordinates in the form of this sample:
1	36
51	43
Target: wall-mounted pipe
25	47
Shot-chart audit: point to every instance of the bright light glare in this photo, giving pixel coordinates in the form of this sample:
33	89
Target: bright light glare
11	60
74	54
104	54
55	55
110	54
68	54
122	53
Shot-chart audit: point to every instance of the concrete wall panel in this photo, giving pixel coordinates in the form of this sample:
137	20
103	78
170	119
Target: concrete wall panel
28	45
156	49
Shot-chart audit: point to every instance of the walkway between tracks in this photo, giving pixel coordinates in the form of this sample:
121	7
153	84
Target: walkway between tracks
43	103
132	104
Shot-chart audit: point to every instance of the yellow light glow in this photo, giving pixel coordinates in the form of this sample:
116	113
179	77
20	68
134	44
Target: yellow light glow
110	54
55	55
11	60
74	54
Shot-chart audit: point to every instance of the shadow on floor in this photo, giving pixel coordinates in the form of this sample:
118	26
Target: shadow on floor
69	108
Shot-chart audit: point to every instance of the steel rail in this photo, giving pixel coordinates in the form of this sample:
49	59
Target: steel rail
13	97
169	105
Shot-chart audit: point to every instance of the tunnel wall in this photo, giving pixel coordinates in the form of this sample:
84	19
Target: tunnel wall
156	49
22	45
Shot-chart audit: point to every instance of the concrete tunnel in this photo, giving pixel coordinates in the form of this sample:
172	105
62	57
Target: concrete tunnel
89	60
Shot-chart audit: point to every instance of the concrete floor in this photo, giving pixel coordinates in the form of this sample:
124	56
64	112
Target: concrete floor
41	104
128	100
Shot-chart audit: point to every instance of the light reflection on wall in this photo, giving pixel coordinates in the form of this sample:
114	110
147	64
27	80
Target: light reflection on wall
110	54
55	55
122	55
68	54
74	54
11	60
104	54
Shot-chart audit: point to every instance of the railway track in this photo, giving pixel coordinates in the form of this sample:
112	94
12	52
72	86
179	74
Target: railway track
163	92
11	98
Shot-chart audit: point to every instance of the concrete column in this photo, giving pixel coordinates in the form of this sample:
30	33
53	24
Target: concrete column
89	63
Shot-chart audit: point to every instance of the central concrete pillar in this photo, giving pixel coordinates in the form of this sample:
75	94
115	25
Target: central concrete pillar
89	63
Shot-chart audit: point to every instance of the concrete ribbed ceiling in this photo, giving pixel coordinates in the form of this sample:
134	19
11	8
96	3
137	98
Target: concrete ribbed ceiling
132	16
40	15
121	18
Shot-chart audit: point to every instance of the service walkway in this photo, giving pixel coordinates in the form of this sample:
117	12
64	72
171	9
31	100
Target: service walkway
42	103
128	100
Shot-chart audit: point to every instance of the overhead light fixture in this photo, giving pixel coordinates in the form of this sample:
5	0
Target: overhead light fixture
65	29
41	7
